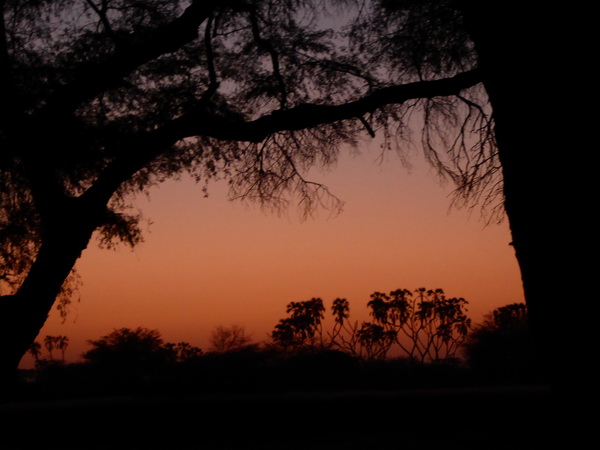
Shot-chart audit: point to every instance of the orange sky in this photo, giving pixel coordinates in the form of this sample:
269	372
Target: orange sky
209	261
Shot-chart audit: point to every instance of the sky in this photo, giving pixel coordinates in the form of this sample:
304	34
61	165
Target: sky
208	262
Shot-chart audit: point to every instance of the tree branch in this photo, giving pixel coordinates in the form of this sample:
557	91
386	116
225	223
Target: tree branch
101	12
7	91
199	122
202	123
93	79
266	45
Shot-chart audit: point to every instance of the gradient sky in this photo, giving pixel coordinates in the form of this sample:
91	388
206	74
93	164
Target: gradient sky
207	262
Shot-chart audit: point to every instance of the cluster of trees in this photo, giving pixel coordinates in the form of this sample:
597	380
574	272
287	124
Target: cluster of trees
424	325
140	347
503	345
426	328
50	343
99	100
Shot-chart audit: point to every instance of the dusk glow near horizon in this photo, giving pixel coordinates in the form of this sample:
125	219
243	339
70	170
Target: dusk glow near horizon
207	262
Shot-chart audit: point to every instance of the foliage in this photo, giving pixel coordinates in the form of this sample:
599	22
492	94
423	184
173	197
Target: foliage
128	347
100	100
183	351
50	343
35	350
129	94
424	325
502	346
303	327
140	347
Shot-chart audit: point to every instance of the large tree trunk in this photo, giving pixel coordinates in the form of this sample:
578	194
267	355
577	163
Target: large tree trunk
23	314
509	47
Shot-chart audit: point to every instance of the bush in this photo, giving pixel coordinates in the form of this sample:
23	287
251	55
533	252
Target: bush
502	348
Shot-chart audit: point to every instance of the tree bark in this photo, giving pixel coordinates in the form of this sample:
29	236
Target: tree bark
23	314
509	47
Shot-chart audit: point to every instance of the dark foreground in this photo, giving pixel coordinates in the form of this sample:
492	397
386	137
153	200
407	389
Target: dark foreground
495	418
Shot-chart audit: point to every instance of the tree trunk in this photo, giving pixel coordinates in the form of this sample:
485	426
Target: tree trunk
509	47
23	314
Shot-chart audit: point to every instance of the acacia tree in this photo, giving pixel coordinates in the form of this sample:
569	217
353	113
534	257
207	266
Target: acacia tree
125	347
100	99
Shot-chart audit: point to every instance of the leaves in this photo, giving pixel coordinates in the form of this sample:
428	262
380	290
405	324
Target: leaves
423	324
302	326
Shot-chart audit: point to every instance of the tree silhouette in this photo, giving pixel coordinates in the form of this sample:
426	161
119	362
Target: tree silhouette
129	347
366	341
50	344
425	325
35	350
100	100
226	339
183	351
303	328
62	342
502	345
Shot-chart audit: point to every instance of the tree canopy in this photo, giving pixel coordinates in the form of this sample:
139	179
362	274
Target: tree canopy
101	99
423	325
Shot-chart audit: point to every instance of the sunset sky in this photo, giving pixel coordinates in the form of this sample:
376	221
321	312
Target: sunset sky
207	262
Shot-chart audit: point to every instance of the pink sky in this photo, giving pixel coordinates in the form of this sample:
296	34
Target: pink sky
209	261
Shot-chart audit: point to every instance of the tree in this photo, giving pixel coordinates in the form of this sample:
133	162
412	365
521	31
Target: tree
502	345
425	325
50	344
184	351
102	99
367	341
62	343
35	350
139	348
226	339
303	328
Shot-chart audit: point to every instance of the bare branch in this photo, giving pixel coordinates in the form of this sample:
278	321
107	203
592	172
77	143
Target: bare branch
200	122
101	12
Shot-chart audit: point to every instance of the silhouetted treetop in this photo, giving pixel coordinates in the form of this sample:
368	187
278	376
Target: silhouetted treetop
137	347
127	346
423	324
128	94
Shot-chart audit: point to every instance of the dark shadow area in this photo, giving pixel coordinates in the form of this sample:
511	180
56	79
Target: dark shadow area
263	398
474	418
254	370
133	390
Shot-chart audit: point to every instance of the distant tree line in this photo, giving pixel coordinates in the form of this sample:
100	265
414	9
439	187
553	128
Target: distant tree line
414	339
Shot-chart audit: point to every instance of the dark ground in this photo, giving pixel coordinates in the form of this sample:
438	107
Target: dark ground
469	418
